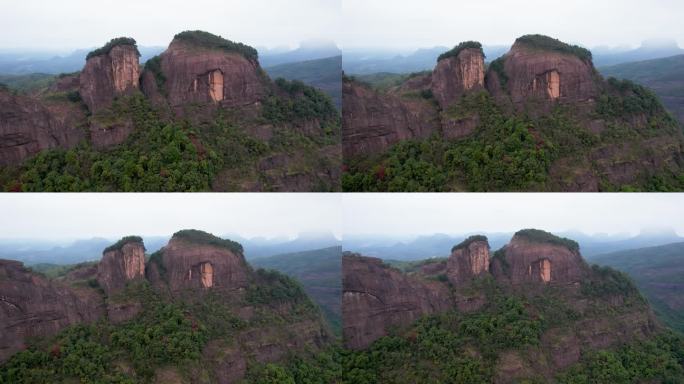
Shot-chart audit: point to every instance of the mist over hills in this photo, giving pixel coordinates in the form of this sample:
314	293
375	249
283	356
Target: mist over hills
439	245
361	61
41	251
16	62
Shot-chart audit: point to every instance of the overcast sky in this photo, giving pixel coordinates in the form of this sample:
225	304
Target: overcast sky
448	213
68	24
428	23
57	216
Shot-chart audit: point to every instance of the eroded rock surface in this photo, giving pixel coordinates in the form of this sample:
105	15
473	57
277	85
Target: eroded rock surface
468	261
121	265
456	75
110	75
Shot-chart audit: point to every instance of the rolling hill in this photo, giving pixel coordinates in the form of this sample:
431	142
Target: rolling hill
324	74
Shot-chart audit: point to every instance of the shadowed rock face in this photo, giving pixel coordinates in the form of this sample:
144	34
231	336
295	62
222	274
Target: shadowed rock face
372	122
109	75
202	75
376	297
531	261
454	76
119	266
468	262
28	127
546	76
32	306
196	265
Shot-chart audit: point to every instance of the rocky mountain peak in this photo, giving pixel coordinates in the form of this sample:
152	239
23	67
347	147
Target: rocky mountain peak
110	71
458	71
468	259
121	262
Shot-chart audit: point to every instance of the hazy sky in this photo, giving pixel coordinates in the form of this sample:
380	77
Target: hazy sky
424	214
54	216
67	24
427	23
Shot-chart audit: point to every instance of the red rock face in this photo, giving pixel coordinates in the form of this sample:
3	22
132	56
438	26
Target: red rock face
191	265
531	261
454	76
32	306
28	127
546	76
107	76
200	75
376	298
373	121
120	266
468	262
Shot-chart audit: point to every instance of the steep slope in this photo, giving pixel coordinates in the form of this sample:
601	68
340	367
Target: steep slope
196	309
539	118
533	311
659	273
203	115
664	76
320	273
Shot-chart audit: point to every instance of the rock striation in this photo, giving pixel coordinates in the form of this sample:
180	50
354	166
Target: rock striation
198	260
372	122
121	263
468	260
377	297
31	306
454	76
109	72
201	68
28	127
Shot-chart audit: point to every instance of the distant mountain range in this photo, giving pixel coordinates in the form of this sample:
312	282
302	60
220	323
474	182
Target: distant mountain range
320	273
659	273
664	76
324	74
36	251
367	61
22	63
439	245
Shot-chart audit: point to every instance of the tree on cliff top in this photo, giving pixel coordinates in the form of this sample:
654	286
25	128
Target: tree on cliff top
209	40
551	44
457	49
114	43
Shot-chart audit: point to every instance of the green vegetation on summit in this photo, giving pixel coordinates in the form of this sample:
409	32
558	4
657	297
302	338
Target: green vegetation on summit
211	41
114	43
460	47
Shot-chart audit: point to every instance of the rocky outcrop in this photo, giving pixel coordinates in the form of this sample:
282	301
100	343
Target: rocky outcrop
373	121
541	69
28	127
31	306
197	260
536	256
454	76
468	260
121	263
376	297
196	72
110	72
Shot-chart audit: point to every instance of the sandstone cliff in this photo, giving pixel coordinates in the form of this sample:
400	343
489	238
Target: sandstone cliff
109	72
199	67
121	263
455	75
31	306
372	121
27	127
376	297
197	260
535	265
468	260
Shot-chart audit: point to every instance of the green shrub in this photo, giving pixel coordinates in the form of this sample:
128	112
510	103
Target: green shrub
125	240
211	41
498	67
154	65
202	237
114	43
460	47
550	44
471	239
540	236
